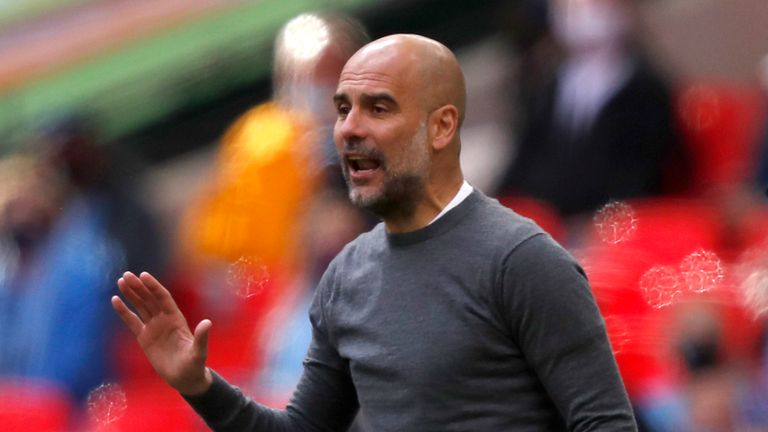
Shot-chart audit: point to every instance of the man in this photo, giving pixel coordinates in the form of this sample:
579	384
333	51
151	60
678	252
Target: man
454	314
601	124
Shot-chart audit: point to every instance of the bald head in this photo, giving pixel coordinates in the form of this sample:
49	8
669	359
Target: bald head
428	67
400	102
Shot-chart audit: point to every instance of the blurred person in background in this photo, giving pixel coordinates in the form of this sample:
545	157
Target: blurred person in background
70	220
526	31
603	127
275	156
241	242
56	254
716	390
103	175
701	397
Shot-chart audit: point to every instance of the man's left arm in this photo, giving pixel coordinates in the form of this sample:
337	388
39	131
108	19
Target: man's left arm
556	321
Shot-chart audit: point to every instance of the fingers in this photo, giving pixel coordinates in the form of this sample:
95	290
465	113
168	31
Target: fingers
161	294
130	319
148	299
134	299
147	295
201	337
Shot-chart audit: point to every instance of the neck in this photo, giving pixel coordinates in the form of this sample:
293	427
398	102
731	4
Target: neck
432	202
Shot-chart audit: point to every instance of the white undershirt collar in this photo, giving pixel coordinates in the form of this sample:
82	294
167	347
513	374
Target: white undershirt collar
460	196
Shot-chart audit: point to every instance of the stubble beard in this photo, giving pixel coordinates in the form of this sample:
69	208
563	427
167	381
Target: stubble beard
403	185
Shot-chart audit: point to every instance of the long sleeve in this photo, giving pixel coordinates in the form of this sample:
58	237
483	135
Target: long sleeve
324	400
552	315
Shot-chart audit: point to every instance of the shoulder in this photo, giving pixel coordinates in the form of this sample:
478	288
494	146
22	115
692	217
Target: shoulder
492	222
541	252
520	241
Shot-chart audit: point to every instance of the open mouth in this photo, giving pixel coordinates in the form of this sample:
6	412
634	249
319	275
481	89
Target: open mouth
361	164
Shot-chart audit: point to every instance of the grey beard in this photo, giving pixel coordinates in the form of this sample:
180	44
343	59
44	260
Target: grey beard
401	190
398	199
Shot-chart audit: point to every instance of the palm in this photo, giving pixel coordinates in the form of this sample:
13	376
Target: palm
176	354
168	343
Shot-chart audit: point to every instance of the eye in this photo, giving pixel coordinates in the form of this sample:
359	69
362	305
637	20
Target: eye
379	109
342	110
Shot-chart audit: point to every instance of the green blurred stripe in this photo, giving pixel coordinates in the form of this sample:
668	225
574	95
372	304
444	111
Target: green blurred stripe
151	78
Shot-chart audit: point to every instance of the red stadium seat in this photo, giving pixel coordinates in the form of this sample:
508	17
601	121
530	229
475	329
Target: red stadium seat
28	406
150	406
752	229
666	231
720	124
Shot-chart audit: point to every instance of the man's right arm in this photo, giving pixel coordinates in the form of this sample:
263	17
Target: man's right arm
324	400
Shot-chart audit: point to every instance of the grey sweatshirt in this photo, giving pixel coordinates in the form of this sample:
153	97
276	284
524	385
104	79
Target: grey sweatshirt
477	322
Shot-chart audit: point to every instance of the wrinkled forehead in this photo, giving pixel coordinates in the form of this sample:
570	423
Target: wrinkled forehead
384	64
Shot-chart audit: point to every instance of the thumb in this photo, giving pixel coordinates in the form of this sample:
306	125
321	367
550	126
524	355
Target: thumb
201	337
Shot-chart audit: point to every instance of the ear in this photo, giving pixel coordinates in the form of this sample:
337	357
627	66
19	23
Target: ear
443	125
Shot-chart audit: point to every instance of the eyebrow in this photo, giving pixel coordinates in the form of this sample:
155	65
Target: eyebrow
367	98
378	97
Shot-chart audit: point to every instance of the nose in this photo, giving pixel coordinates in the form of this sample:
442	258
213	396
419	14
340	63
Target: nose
350	127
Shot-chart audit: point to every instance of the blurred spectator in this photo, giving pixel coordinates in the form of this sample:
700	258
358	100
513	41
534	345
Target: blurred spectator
101	175
525	25
710	379
69	223
603	129
58	263
270	165
272	158
714	391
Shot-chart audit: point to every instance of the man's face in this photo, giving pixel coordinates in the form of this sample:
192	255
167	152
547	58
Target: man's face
381	135
587	24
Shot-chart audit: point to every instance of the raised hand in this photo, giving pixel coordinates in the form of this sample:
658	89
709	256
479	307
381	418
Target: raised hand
176	354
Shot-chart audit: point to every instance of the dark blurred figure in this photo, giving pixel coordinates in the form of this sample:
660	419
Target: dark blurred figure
525	25
103	175
68	224
711	378
602	127
57	261
716	391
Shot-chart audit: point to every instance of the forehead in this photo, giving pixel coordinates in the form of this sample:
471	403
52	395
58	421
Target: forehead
383	68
